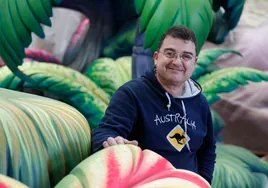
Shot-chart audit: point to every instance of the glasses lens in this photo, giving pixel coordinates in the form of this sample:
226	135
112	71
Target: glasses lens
186	57
169	54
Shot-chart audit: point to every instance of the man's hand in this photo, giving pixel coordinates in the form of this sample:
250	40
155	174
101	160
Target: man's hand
118	140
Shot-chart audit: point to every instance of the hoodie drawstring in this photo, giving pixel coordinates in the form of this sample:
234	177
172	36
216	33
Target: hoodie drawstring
185	123
184	113
169	101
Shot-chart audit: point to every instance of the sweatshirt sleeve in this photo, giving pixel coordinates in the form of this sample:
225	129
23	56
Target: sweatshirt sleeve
207	153
118	119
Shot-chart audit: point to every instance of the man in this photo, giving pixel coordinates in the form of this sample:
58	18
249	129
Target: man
164	110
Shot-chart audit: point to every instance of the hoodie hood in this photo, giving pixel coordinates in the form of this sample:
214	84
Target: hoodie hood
192	89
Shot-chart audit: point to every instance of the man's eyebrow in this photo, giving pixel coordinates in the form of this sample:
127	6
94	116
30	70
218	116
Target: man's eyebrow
188	53
185	52
171	49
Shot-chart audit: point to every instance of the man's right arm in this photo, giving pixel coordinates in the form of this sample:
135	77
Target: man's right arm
118	119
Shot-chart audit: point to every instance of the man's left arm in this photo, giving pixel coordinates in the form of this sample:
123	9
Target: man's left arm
206	155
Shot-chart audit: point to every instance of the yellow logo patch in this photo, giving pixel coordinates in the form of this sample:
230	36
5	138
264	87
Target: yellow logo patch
177	138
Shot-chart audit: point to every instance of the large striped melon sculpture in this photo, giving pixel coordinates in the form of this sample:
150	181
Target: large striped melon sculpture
7	182
127	166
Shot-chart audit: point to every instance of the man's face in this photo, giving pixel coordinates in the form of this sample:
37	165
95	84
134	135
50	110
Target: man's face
175	60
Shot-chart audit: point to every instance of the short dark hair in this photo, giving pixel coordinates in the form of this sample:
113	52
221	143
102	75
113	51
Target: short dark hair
180	32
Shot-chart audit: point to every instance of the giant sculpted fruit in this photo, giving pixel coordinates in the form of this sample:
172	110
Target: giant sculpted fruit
7	182
127	166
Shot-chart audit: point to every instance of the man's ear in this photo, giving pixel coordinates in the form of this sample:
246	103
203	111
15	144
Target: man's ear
156	55
195	61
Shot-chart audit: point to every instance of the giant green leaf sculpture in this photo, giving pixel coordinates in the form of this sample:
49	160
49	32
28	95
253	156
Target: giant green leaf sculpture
69	85
109	74
238	167
227	80
157	16
206	57
18	19
41	140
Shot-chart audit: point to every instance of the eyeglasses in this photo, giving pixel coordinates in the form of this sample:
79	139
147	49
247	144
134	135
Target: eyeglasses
172	54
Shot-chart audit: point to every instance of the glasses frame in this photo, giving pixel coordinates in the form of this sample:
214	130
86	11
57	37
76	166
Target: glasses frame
176	55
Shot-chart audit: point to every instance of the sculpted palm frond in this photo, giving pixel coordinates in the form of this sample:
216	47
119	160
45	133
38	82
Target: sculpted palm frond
227	80
110	74
238	166
18	19
122	43
157	16
69	85
206	58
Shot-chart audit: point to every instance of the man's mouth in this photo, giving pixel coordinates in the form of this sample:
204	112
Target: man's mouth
175	69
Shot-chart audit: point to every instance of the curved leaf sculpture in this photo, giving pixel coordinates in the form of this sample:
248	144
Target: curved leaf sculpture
157	16
228	79
41	139
17	20
128	166
238	166
206	57
69	85
109	74
122	43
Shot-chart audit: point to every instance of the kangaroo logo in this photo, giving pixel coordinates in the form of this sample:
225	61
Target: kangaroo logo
178	137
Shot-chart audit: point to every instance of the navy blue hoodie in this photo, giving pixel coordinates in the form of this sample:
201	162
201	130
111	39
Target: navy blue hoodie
178	128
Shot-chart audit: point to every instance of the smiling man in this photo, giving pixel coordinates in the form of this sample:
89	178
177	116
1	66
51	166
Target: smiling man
164	110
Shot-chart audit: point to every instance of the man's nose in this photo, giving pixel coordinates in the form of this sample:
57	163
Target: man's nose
178	59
